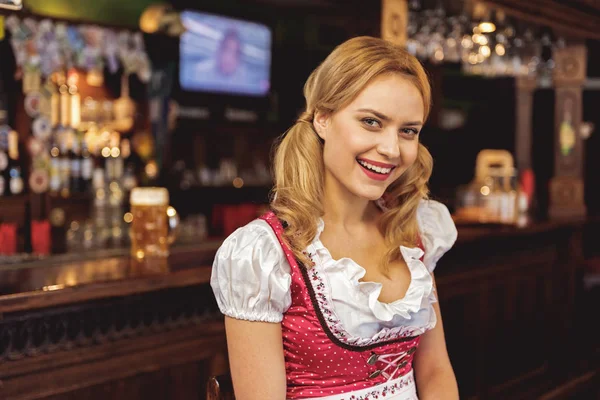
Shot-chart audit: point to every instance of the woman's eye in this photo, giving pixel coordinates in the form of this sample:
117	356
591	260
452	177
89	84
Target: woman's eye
410	131
371	122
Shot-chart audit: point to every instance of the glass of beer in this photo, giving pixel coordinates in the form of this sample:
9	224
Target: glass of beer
154	224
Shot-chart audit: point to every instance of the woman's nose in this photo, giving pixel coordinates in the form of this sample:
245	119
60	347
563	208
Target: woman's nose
389	145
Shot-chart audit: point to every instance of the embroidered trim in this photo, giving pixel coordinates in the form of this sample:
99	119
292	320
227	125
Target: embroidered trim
385	391
336	327
341	338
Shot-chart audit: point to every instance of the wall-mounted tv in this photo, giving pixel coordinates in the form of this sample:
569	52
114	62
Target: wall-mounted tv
224	55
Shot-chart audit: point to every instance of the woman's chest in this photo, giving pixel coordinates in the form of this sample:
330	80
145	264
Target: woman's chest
395	277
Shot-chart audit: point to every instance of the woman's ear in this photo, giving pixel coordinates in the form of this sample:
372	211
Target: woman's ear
321	123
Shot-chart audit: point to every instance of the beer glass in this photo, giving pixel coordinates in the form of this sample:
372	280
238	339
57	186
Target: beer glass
154	224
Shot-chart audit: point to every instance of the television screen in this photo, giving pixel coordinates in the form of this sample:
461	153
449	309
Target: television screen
224	55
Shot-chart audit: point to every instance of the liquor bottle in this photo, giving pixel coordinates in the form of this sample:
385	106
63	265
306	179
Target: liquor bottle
3	167
65	104
54	176
2	185
59	163
4	131
65	163
15	183
129	181
75	107
54	103
75	159
87	166
508	201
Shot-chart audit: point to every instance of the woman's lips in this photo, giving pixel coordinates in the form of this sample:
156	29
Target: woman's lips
376	172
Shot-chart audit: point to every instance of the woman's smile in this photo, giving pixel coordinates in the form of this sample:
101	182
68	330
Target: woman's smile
376	170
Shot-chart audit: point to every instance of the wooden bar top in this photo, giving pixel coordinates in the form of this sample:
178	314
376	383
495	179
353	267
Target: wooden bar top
470	233
75	278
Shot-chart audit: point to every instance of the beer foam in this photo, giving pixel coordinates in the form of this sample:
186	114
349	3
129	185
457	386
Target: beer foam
149	196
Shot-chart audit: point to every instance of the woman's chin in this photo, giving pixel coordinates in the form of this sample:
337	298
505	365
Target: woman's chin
371	195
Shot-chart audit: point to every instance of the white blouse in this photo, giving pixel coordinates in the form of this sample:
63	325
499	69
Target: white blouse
251	279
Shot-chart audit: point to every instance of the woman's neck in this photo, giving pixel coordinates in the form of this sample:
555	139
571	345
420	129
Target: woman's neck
345	209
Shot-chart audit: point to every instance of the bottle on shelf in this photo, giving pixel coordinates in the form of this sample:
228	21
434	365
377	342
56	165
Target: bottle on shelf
2	183
15	183
487	198
75	159
4	162
59	162
87	166
4	131
75	107
508	200
129	178
65	163
54	175
65	103
99	211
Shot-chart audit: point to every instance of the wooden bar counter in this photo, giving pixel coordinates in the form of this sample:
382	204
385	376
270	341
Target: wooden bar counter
515	314
101	326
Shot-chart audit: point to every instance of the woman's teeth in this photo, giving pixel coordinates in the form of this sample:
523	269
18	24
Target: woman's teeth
379	170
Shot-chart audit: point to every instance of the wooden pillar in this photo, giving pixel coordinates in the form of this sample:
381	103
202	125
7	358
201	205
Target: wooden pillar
525	87
566	186
394	20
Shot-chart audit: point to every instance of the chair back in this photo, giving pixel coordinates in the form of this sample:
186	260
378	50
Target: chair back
219	388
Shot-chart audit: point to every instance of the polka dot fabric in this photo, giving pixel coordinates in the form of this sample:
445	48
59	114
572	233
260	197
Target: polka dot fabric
319	364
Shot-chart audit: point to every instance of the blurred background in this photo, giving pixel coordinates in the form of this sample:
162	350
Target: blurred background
104	280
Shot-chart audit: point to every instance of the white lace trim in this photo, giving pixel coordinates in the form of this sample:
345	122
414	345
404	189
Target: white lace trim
418	299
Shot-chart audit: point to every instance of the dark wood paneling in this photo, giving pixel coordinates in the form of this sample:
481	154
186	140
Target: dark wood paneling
158	345
509	306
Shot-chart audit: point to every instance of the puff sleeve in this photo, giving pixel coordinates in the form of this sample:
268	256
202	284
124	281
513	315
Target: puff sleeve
438	232
250	275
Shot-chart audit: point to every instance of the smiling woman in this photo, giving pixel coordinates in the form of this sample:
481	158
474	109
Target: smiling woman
334	287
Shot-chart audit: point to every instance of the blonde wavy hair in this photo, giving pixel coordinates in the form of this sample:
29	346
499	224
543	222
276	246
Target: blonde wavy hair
298	166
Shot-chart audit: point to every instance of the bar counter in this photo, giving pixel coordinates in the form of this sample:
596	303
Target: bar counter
69	278
101	325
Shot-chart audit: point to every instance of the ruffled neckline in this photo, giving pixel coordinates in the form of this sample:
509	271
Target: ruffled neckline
419	294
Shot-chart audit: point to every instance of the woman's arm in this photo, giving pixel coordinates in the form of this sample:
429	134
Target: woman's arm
434	373
256	359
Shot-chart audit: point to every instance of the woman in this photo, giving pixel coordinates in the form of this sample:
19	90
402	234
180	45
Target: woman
329	295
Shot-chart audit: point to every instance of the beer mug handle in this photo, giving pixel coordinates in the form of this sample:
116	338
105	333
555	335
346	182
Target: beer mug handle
173	218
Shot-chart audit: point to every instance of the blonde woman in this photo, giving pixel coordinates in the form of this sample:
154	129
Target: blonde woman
331	295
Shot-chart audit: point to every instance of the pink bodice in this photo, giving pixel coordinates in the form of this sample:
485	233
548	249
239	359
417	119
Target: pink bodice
320	358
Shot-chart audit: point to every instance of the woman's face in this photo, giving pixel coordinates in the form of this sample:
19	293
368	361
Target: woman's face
373	140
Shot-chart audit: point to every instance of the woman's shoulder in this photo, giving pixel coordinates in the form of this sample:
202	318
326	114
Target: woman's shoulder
253	242
438	232
429	207
252	247
250	275
433	214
